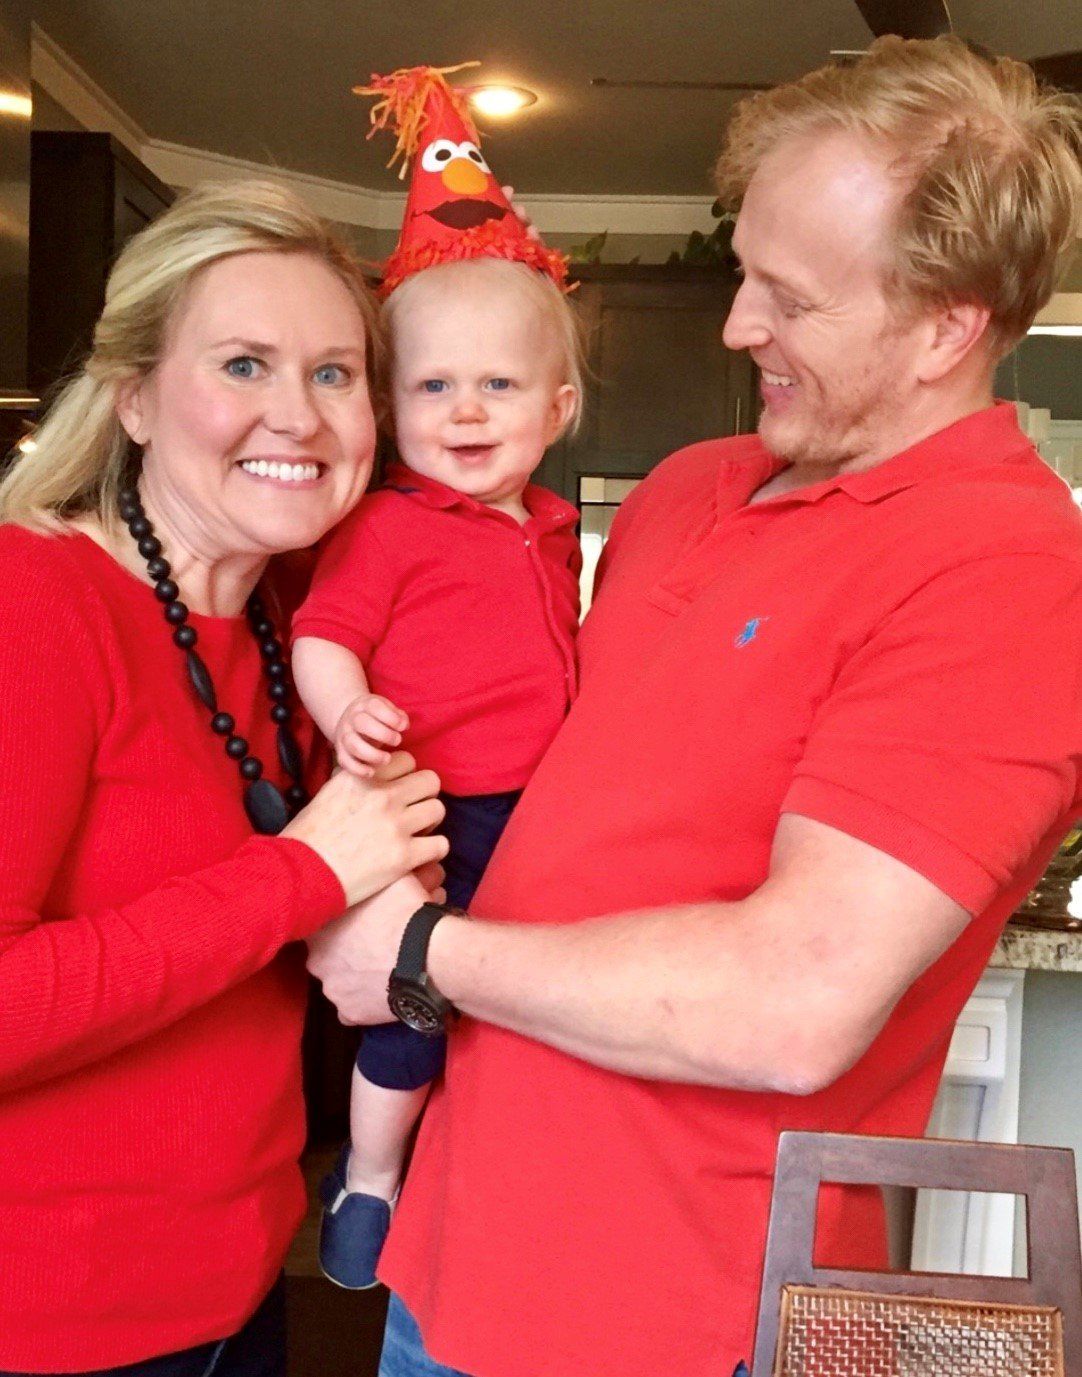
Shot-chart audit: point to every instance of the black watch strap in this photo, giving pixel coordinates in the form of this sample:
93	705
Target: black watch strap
414	949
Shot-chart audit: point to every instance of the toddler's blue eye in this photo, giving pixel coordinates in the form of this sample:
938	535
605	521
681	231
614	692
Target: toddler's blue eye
434	385
330	373
499	384
242	367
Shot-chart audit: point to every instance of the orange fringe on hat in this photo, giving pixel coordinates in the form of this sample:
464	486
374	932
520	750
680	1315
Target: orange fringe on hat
405	93
483	241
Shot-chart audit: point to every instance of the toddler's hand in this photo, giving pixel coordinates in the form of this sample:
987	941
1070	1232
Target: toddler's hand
368	726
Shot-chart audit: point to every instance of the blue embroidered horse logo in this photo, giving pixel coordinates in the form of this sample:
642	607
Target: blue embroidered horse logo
750	631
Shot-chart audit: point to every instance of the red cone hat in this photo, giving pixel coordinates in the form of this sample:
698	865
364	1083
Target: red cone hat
455	208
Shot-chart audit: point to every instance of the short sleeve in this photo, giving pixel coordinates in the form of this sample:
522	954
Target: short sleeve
353	588
952	738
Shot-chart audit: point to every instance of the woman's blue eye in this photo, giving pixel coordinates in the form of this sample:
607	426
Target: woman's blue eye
331	373
242	367
434	385
499	384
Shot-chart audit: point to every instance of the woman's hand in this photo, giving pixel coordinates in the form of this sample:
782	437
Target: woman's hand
353	956
371	832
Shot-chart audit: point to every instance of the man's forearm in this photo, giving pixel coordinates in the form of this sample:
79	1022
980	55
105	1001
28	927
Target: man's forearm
782	990
714	994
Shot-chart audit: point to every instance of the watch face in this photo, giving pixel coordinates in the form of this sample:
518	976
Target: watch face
415	1011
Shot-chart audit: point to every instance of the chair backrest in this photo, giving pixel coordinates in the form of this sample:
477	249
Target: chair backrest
1044	1176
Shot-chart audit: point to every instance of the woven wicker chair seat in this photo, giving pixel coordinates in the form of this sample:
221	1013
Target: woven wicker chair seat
833	1333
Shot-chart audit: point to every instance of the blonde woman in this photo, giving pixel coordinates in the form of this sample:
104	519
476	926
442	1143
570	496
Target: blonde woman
150	1100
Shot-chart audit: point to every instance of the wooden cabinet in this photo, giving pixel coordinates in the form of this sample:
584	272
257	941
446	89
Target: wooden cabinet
659	375
88	196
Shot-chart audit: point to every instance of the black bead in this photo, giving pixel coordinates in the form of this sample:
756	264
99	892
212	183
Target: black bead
264	802
289	753
202	682
266	807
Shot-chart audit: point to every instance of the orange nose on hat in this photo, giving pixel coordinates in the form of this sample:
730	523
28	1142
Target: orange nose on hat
463	177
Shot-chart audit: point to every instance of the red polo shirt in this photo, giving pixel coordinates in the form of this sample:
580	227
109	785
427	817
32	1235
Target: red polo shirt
462	617
896	654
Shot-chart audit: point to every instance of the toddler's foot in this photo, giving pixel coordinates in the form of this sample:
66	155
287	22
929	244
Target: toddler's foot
352	1230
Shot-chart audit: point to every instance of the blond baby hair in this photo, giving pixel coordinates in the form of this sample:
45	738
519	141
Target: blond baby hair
534	288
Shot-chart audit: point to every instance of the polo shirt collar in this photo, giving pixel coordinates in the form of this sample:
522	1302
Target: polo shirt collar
991	435
545	507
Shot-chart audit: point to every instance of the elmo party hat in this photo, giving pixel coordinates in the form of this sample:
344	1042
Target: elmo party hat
455	208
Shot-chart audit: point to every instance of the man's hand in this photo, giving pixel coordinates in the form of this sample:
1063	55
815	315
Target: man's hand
368	730
353	956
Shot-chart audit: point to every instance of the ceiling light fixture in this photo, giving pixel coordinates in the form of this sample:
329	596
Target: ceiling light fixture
500	101
11	104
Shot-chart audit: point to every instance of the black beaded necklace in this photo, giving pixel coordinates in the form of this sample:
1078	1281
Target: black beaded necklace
268	808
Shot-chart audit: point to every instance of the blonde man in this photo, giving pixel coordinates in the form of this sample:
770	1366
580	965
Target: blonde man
810	771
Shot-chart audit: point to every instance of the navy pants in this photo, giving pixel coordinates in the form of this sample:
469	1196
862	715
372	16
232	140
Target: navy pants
391	1054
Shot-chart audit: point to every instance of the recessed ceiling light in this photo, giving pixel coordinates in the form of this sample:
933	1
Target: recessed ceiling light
1055	330
500	100
11	104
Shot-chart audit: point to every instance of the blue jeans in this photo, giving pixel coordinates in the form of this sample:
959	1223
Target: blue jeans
257	1350
403	1349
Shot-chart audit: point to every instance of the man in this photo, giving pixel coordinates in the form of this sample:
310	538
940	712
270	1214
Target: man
809	775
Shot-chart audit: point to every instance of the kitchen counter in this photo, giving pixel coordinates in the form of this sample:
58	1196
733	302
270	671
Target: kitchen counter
1037	949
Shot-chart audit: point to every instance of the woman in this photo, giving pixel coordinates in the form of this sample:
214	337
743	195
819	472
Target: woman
150	1100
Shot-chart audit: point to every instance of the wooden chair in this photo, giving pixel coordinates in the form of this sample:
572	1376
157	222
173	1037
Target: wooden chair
824	1322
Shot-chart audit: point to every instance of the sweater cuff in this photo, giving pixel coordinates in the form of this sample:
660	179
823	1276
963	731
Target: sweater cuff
311	892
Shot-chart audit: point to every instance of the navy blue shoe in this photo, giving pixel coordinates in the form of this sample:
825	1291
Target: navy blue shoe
352	1231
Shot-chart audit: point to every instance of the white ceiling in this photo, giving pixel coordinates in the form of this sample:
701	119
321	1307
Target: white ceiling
269	80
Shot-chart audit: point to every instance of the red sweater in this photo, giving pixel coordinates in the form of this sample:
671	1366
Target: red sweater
150	1095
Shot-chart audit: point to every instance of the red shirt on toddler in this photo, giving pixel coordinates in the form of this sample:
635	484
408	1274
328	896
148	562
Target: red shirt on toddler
462	617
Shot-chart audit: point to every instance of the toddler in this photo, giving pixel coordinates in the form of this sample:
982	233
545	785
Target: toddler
442	618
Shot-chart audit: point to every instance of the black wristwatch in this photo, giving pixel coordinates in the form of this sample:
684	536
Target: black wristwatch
413	998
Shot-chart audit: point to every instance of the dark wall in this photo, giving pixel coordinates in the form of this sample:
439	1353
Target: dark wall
1045	370
14	195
